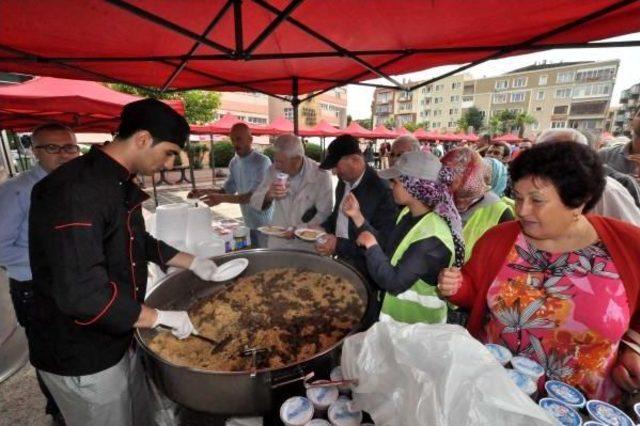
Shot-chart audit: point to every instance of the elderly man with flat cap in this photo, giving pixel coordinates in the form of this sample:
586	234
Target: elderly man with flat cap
374	195
89	251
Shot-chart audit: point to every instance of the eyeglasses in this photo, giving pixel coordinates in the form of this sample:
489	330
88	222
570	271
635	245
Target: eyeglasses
56	149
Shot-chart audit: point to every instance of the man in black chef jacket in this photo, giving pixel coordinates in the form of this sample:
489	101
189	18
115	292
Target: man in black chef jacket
89	252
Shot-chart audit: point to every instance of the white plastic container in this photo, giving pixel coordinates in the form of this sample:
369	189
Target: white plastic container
296	411
322	398
318	422
171	222
341	414
528	367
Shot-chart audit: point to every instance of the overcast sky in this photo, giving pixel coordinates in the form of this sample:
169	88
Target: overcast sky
359	100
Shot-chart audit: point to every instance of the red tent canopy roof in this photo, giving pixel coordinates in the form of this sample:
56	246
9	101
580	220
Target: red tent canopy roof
81	105
184	45
507	138
357	131
322	129
280	125
421	134
381	132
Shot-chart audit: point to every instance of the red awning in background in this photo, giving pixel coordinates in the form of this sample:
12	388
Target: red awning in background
282	47
357	131
81	105
507	138
280	126
381	132
322	129
421	134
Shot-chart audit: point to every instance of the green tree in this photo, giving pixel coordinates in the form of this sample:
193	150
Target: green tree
423	124
349	119
471	118
390	122
200	105
367	123
410	126
522	120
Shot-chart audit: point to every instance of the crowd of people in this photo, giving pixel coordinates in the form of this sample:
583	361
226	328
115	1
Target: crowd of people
500	240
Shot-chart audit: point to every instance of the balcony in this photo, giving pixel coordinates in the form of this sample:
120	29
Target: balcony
624	95
635	89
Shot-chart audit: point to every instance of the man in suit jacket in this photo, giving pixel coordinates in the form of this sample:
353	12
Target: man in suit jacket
374	195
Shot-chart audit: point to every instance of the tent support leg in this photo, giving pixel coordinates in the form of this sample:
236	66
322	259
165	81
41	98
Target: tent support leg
213	162
295	103
4	141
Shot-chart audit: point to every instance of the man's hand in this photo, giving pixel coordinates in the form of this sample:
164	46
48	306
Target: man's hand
351	208
449	281
197	193
204	268
366	239
277	191
326	245
177	321
213	199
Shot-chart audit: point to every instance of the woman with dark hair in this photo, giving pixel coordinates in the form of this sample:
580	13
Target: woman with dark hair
557	286
479	208
427	238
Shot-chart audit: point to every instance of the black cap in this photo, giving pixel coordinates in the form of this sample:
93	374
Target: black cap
156	117
341	146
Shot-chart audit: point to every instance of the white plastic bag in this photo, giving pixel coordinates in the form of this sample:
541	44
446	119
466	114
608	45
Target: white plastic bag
425	374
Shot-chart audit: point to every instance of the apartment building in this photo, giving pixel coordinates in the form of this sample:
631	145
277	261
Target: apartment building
557	95
439	103
330	106
251	107
629	101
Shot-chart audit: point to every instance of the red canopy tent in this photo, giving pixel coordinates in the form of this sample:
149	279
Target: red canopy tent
276	46
421	134
357	131
322	129
381	132
471	137
81	105
401	130
510	138
280	126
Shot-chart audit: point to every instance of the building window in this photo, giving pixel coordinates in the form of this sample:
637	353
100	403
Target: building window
383	98
540	96
380	109
437	100
467	99
451	124
288	113
558	124
589	108
535	126
565	77
437	112
455	98
560	109
427	113
592	90
542	80
517	97
538	109
453	111
500	98
257	120
520	82
598	74
456	85
439	87
405	107
563	93
502	84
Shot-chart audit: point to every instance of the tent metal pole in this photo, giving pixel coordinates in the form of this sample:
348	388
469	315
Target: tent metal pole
213	161
4	141
237	20
308	55
295	103
195	46
148	16
272	26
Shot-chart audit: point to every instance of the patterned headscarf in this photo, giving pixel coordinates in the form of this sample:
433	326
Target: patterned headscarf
468	173
497	172
436	195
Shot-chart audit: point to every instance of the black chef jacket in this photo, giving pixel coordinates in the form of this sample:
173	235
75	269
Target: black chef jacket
88	249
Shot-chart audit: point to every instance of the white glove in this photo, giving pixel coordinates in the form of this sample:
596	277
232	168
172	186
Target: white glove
178	321
203	268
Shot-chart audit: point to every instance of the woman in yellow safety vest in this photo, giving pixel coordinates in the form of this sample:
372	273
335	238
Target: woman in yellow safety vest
479	208
427	238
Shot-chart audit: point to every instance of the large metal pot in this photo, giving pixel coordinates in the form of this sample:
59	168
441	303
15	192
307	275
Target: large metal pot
223	392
